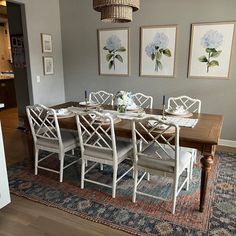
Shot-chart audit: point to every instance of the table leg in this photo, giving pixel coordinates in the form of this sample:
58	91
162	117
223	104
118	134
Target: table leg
206	161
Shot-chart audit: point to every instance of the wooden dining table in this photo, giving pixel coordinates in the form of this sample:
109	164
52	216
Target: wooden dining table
204	137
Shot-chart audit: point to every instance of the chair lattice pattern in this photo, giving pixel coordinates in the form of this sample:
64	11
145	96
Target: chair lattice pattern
189	104
94	132
101	97
43	121
148	131
142	100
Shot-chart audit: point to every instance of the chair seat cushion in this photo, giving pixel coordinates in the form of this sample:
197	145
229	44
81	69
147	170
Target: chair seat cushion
151	161
122	146
69	139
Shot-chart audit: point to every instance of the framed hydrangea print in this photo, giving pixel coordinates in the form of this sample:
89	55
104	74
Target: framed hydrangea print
158	46
210	51
113	51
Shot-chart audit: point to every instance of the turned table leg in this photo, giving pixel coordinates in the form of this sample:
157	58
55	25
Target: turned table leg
206	161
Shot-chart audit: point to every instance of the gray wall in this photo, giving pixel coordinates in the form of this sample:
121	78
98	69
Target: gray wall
44	17
79	23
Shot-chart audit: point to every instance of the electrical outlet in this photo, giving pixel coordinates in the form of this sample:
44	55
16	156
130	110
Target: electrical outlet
38	79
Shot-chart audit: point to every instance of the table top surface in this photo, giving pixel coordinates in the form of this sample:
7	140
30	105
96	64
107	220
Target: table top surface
206	132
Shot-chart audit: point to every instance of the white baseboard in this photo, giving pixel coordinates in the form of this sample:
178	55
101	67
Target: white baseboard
228	143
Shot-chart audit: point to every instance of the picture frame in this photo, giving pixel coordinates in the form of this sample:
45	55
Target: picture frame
211	49
46	43
158	50
48	65
113	51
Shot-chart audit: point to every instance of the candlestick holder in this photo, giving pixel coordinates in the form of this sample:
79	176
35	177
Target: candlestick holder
163	112
86	104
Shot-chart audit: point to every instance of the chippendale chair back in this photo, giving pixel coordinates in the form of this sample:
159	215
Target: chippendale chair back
189	104
101	97
143	100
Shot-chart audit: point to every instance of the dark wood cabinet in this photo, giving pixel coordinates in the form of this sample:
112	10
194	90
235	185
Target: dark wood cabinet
7	93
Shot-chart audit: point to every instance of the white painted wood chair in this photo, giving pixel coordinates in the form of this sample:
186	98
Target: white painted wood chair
159	155
191	105
48	136
101	97
99	144
142	100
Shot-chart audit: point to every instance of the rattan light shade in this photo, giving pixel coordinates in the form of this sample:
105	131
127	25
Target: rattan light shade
116	11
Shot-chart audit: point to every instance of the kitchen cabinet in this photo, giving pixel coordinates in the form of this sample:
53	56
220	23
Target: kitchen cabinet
7	93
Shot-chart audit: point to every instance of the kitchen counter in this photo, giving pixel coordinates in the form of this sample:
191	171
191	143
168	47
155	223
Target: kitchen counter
3	77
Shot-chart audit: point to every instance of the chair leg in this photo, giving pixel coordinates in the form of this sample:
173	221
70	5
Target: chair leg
148	176
191	168
115	169
84	162
195	156
61	156
188	178
174	195
135	183
36	156
101	167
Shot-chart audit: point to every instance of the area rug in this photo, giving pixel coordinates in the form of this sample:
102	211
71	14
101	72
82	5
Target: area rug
147	216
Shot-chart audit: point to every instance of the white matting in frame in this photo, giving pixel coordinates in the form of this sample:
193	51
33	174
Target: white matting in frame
158	49
113	51
210	50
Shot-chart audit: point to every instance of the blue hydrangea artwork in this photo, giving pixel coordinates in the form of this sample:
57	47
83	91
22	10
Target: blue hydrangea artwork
211	40
158	48
114	48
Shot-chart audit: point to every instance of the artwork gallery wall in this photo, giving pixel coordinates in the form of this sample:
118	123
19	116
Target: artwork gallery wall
80	54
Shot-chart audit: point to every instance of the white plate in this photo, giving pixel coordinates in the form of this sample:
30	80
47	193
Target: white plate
134	108
177	113
63	112
89	104
159	126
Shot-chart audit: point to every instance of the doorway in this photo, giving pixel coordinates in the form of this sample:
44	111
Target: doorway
14	78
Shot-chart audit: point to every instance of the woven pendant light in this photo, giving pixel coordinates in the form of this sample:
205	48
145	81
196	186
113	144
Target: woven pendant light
116	11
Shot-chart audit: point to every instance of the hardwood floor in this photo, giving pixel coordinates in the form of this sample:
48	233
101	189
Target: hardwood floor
27	218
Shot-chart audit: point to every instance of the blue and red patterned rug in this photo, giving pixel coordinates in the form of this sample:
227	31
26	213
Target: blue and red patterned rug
147	216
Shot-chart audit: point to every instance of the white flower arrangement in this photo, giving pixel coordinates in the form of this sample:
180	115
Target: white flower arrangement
123	100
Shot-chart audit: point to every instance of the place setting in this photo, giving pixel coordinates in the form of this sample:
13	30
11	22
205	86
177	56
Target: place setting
159	127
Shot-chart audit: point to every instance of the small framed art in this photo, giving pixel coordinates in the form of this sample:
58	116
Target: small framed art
46	43
48	65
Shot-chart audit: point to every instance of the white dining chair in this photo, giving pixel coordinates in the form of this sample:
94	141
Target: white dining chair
159	155
101	97
99	144
142	100
191	105
48	136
